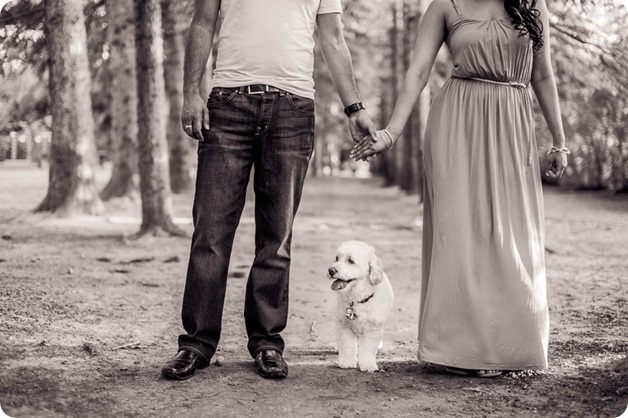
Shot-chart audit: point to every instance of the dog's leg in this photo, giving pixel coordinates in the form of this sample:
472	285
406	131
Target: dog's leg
367	350
347	345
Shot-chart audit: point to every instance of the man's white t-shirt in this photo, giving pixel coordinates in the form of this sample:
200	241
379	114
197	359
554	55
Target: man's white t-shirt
269	42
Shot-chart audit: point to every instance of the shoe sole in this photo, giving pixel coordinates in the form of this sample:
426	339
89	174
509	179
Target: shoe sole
170	375
272	376
472	373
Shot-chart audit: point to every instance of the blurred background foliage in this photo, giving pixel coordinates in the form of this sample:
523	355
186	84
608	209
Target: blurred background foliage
590	57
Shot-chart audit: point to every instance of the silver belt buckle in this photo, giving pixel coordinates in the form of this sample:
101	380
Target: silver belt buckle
248	90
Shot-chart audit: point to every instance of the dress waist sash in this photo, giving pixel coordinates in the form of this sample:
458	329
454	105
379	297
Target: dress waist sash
528	102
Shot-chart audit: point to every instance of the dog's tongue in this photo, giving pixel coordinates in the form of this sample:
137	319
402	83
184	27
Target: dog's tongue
338	284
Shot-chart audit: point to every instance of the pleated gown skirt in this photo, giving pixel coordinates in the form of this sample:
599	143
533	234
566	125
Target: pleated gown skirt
483	296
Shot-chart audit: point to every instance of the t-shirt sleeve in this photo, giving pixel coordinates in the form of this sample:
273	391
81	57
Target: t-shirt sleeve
330	6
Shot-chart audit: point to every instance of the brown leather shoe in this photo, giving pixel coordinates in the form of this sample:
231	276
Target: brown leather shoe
183	365
271	365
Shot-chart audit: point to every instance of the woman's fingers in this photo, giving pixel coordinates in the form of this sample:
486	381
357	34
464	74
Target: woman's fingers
556	164
364	154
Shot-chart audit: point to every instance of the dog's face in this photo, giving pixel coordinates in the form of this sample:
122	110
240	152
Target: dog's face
356	264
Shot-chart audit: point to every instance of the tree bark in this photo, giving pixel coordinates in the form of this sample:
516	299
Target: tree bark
153	158
179	144
422	109
410	179
384	164
396	154
121	18
71	187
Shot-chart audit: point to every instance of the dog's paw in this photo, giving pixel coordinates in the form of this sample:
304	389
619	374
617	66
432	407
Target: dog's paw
369	367
347	364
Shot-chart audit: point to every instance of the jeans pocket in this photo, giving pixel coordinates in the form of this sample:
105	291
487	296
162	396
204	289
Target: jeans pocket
220	97
300	104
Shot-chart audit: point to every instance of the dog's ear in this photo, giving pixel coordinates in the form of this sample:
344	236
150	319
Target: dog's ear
376	270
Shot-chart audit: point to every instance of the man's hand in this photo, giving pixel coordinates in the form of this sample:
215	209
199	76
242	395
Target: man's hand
360	125
194	116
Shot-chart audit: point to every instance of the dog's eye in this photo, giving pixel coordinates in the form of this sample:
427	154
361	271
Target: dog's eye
336	258
350	261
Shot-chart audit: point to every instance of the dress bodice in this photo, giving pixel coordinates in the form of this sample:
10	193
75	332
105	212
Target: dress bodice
490	49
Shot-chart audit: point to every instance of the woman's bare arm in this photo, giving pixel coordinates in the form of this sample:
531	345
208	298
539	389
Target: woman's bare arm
431	35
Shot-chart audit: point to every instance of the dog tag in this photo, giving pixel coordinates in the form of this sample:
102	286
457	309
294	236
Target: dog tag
350	314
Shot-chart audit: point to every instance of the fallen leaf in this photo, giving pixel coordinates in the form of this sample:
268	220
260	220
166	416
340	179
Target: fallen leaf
138	260
149	284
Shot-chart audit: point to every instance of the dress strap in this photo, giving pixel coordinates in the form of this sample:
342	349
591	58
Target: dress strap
456	7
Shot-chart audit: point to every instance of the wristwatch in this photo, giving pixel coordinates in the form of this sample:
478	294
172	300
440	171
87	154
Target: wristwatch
356	107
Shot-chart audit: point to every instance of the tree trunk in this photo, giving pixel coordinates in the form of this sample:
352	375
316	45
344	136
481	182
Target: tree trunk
316	168
179	144
71	187
121	18
410	180
396	154
422	109
153	158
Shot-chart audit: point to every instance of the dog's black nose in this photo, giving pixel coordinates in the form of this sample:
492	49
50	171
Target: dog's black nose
332	271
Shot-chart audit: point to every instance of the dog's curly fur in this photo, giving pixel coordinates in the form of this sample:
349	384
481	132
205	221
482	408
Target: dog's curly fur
360	317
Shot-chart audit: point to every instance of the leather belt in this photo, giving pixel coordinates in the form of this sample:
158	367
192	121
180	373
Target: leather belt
258	89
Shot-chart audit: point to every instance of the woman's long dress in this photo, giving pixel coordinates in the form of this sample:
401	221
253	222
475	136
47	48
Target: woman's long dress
483	296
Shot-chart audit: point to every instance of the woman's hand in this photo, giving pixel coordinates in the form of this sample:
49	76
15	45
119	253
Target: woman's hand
556	164
369	147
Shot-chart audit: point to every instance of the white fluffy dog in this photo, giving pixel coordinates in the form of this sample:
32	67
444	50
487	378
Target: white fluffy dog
365	298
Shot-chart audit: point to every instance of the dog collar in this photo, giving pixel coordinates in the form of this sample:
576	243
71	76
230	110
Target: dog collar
350	310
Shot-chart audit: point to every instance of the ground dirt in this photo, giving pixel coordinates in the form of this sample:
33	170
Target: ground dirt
88	317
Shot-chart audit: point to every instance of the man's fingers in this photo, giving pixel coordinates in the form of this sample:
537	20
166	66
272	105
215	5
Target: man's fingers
372	133
188	127
206	119
196	126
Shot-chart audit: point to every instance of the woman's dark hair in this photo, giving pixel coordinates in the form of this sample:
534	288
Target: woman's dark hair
525	16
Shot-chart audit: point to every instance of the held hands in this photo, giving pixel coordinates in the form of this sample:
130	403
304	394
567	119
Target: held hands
194	116
369	147
361	127
556	162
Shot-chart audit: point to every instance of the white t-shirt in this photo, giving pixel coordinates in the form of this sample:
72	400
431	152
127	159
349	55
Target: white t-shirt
269	42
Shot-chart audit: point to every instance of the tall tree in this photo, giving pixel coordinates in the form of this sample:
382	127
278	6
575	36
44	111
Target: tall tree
123	90
421	109
411	141
398	73
179	144
153	158
71	187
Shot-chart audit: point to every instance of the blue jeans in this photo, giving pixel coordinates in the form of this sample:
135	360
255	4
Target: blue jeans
273	132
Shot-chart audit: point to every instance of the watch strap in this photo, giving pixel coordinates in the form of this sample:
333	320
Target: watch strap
355	107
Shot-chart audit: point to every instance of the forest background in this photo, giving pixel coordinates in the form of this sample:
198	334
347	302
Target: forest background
590	58
91	283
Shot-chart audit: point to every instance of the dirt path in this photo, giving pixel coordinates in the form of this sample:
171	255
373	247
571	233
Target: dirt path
88	318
